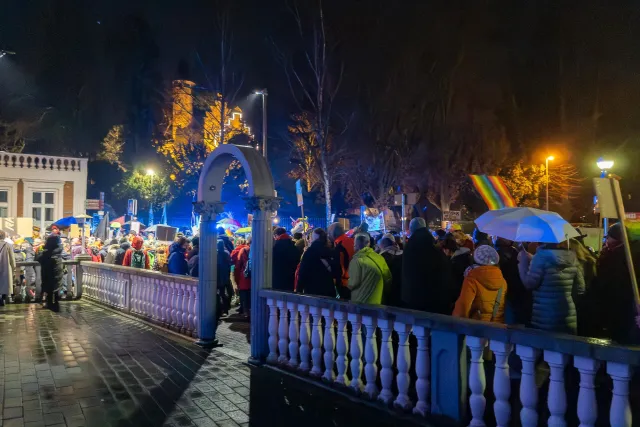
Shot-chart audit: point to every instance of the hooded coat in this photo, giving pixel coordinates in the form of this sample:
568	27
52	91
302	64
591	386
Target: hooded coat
136	245
320	271
519	298
369	277
286	258
557	280
240	258
177	259
112	252
7	266
484	292
425	275
50	259
460	261
120	253
393	257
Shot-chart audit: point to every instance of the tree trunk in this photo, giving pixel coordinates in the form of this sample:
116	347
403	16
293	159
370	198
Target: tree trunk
326	181
445	203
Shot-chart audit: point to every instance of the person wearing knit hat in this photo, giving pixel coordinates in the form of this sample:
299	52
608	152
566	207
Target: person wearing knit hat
486	255
484	289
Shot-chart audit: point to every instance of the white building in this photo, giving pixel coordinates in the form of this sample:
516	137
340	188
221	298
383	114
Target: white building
45	188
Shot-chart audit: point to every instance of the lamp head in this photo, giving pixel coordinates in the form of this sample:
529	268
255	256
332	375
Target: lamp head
261	92
151	172
550	158
604	164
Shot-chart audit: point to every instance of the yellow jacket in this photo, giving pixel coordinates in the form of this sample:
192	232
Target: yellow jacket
479	295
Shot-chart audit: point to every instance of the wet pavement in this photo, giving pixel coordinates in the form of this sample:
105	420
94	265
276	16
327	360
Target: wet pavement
89	366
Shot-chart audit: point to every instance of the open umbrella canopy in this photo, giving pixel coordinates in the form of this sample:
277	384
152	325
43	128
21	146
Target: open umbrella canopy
243	230
526	225
115	224
229	223
65	222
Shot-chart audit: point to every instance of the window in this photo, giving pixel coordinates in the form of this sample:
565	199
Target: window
4	203
42	208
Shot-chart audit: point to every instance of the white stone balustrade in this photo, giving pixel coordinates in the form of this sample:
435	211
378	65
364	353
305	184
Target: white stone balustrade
166	299
370	350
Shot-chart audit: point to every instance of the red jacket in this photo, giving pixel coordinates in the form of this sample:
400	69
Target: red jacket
347	243
136	245
240	258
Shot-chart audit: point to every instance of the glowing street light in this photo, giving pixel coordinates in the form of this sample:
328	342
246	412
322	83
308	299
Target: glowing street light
604	165
547	160
151	172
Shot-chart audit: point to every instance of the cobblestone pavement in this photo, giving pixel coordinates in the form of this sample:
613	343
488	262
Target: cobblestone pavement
87	366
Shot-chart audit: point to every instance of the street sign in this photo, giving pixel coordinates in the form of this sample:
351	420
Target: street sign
452	216
299	193
92	204
132	207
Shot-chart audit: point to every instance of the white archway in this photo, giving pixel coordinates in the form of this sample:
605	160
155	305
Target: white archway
261	202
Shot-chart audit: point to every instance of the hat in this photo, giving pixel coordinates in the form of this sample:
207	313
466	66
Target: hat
615	231
455	227
486	255
389	236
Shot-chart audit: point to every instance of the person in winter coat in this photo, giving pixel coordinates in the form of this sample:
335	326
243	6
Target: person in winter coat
425	272
557	281
461	259
484	290
50	259
393	257
369	275
301	244
519	298
178	257
193	257
112	252
610	297
286	258
480	238
344	248
320	272
225	289
228	244
120	253
95	254
7	267
240	260
136	256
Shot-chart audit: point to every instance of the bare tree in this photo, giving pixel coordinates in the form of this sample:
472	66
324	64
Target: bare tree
314	82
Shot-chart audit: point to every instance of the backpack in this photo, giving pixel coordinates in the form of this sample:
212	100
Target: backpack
247	268
138	259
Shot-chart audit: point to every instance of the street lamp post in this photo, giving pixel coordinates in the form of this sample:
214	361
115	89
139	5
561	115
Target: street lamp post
264	94
605	166
151	173
546	169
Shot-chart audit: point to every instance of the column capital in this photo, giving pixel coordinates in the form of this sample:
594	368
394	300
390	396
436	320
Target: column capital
208	210
261	203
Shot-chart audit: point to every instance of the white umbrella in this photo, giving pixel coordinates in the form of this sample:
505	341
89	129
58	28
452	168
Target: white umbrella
526	225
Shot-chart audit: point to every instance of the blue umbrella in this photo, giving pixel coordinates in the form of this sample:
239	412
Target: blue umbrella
65	222
526	225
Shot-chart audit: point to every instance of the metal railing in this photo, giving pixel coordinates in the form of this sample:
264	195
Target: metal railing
427	363
32	273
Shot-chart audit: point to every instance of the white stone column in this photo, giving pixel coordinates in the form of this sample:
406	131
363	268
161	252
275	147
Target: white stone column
283	332
342	347
304	337
294	326
356	352
423	365
403	362
501	382
386	361
316	341
528	387
477	380
208	272
273	331
329	345
371	356
620	412
587	404
557	397
261	259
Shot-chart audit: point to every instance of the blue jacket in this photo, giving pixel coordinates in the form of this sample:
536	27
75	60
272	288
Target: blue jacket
177	260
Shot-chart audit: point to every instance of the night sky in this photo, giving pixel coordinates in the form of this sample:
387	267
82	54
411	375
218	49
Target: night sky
82	66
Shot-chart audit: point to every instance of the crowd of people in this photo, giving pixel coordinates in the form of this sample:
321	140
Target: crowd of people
554	287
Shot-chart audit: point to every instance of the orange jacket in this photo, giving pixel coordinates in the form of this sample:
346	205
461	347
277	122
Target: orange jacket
347	243
479	295
240	258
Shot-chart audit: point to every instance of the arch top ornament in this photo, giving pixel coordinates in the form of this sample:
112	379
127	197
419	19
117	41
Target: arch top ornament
259	203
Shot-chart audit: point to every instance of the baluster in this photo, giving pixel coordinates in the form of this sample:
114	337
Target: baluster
501	382
166	303
329	344
143	289
283	332
172	303
557	399
316	341
189	295
386	361
273	331
178	324
356	351
342	348
293	334
528	387
185	308
477	380
423	370
587	404
152	295
163	302
403	363
195	312
620	412
304	337
135	296
370	356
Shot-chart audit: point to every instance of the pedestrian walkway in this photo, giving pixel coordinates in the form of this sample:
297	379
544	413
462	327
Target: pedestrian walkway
90	366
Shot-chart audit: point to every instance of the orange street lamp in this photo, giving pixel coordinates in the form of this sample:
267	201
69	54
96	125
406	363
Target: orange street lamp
546	169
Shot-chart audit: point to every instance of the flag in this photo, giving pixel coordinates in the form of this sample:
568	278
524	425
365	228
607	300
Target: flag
163	220
150	222
102	230
493	191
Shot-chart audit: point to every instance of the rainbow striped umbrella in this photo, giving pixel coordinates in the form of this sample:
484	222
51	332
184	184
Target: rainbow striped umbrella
493	191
